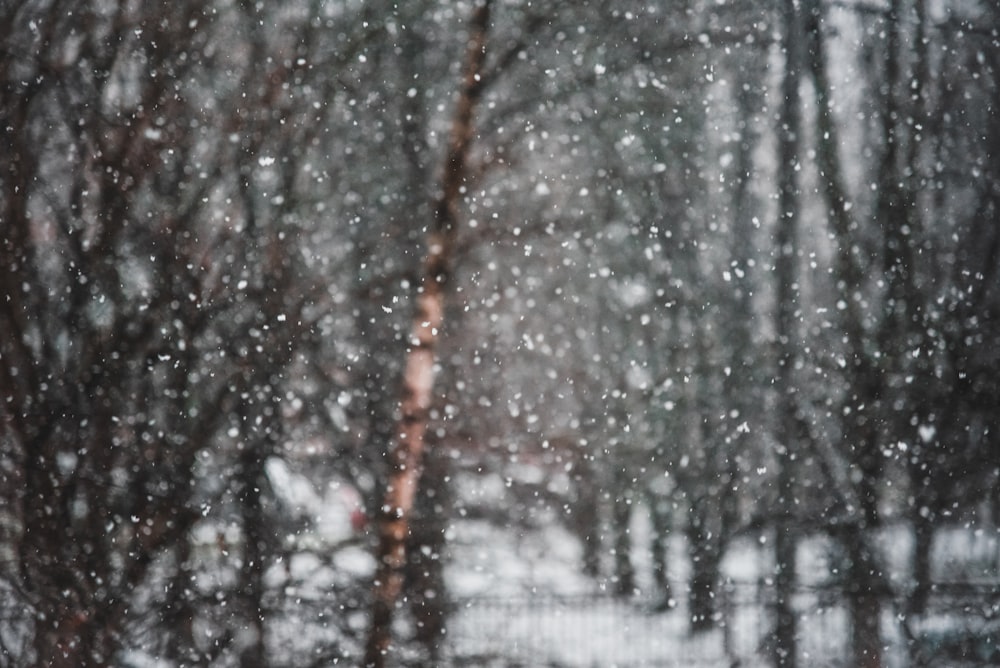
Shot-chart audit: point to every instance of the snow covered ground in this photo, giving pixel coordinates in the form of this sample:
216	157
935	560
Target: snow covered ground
521	598
523	602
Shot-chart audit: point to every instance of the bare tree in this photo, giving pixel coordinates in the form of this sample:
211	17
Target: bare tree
786	332
134	312
406	451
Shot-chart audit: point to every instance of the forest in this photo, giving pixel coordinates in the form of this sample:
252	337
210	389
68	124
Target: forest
309	307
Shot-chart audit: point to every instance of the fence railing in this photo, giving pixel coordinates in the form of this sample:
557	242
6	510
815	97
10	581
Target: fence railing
961	624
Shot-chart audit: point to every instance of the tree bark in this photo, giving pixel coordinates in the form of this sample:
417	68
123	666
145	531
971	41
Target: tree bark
251	478
621	513
864	590
659	515
786	274
586	518
704	547
923	545
428	594
179	609
406	451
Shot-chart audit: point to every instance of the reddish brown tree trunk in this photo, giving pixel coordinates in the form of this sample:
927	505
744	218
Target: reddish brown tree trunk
418	378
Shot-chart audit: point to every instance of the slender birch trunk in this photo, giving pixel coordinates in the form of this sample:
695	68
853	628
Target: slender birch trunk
418	377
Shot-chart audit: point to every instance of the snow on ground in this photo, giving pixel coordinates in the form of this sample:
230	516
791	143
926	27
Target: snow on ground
488	561
523	600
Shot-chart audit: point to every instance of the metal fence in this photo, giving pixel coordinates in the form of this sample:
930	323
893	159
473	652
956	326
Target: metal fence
959	629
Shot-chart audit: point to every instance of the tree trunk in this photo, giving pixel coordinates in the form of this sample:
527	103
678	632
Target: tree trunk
865	607
178	609
425	581
703	546
785	643
786	274
621	514
586	518
660	519
923	544
406	451
251	479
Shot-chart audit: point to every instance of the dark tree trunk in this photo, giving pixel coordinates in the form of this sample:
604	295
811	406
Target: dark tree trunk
251	479
864	579
786	275
179	611
585	520
864	590
785	645
660	519
428	593
704	550
621	514
923	545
